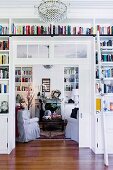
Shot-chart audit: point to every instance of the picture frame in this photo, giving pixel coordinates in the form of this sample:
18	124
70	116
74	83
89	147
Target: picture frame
46	84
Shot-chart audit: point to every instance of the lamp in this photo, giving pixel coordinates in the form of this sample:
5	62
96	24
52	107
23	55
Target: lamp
52	10
75	96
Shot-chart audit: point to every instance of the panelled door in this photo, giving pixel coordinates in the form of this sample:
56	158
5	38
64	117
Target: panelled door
3	134
84	106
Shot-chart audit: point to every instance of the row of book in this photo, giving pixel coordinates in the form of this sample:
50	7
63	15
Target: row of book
24	79
70	87
107	72
51	29
4	73
23	88
4	88
105	30
72	70
61	30
4	45
106	43
108	88
26	72
4	59
107	57
4	30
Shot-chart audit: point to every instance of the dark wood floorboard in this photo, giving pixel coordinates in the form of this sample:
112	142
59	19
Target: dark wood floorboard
52	155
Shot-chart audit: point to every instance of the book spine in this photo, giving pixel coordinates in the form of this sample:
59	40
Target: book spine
0	88
1	30
5	88
1	59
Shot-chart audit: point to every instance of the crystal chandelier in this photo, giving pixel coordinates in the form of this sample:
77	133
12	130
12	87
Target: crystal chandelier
52	10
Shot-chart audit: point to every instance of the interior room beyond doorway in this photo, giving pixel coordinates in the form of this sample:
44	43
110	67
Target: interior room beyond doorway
50	93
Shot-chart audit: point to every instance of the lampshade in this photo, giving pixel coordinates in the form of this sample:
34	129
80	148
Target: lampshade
52	10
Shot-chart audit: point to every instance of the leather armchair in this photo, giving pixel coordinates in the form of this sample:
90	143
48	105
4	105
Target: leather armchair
28	128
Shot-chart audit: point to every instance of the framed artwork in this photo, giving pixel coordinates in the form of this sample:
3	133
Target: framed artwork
46	85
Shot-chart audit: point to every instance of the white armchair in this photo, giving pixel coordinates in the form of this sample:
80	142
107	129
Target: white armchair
72	128
28	128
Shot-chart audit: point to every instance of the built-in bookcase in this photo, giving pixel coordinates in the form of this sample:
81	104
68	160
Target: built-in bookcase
104	93
5	92
35	27
71	82
4	75
23	79
23	75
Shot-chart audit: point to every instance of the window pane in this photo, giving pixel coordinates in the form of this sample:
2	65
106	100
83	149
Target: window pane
32	51
70	51
65	51
21	51
43	51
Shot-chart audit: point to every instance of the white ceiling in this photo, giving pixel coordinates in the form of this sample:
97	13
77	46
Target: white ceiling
70	3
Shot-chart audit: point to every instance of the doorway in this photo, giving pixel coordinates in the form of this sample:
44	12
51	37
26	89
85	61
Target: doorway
69	81
80	57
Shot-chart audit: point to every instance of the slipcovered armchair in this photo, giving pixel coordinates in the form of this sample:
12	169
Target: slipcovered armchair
28	129
72	128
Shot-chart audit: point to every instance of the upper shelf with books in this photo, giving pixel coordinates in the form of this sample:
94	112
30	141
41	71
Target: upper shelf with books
75	26
33	26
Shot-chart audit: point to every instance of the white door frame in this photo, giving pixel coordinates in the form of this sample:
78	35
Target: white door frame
79	62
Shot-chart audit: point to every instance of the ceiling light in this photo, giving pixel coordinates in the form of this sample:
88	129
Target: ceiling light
51	11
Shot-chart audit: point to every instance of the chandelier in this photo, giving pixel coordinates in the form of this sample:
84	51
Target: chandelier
52	10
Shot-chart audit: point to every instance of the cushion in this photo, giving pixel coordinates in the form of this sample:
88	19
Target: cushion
74	113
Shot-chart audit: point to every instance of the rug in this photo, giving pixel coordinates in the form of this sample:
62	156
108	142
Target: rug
52	134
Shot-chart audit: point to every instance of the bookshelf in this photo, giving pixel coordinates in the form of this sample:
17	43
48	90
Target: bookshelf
75	27
31	27
71	82
104	93
23	79
4	92
4	75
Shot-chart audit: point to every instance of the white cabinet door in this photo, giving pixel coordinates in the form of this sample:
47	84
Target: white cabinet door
3	134
84	107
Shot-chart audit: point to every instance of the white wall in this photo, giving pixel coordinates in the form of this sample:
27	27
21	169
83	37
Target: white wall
80	12
55	74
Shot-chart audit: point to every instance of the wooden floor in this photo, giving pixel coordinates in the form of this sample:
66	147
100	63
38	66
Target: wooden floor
52	155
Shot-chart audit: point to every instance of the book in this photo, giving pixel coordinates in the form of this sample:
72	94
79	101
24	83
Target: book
0	29
1	59
98	104
5	88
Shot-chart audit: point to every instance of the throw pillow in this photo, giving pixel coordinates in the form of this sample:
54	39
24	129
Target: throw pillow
74	113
